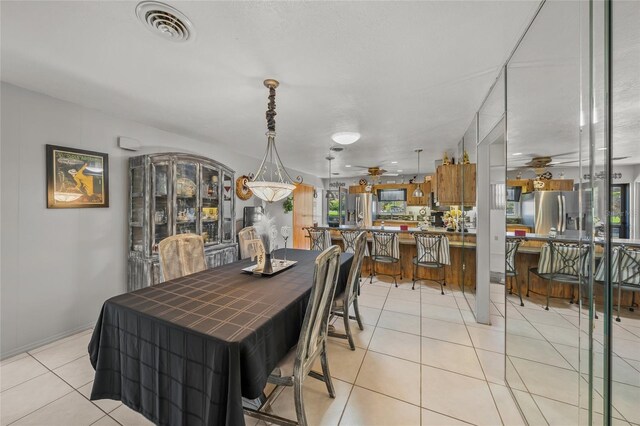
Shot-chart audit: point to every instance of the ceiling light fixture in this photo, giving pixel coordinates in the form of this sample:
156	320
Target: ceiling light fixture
516	154
330	195
345	138
394	162
417	193
400	170
347	165
272	182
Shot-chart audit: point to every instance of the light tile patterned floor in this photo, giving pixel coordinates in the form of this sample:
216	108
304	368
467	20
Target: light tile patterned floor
421	360
548	358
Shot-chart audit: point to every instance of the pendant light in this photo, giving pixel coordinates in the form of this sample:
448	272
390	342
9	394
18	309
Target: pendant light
418	191
330	195
272	182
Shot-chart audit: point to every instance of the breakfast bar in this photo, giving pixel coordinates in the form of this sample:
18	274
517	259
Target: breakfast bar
462	253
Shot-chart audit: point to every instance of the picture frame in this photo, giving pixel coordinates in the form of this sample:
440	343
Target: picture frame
76	178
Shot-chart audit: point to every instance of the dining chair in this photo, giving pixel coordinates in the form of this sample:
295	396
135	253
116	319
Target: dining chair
312	343
349	243
320	238
245	235
564	263
181	255
386	250
429	254
349	297
510	270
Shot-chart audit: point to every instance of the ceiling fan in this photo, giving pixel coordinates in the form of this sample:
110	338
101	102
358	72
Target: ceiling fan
375	171
540	164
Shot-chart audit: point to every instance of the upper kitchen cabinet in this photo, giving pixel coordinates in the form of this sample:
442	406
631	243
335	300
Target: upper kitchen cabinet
556	185
450	184
419	201
357	189
526	185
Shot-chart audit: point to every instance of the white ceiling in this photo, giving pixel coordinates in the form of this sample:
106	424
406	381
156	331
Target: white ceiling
544	88
404	74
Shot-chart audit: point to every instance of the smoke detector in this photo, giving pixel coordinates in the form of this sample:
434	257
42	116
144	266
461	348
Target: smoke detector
165	21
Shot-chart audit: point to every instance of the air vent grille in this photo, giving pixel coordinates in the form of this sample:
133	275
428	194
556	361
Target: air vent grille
165	21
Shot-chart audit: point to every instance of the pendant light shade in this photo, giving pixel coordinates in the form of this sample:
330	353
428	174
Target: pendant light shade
417	193
272	182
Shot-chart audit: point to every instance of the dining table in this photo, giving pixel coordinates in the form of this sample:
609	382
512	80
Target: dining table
187	351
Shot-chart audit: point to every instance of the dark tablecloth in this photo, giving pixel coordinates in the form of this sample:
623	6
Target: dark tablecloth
185	352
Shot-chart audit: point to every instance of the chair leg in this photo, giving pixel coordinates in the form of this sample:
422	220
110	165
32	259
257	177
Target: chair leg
548	291
356	310
528	282
347	328
372	271
325	371
297	396
572	295
515	277
415	267
619	296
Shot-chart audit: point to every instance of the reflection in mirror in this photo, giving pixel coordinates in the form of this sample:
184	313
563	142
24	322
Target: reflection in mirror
469	215
545	220
624	219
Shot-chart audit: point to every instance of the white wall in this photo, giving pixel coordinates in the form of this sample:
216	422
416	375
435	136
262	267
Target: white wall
59	266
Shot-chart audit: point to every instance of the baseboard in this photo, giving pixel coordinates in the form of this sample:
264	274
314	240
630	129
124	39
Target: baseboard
37	344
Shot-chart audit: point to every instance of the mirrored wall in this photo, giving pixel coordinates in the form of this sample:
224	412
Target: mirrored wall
572	251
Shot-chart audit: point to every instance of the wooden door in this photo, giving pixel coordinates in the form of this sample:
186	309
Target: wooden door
302	214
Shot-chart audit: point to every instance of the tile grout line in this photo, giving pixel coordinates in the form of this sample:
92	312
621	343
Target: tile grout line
475	351
353	385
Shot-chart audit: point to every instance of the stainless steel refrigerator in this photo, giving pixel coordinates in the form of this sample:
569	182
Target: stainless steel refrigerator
543	210
358	209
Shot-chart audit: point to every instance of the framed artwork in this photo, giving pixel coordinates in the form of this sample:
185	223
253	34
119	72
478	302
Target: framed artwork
76	178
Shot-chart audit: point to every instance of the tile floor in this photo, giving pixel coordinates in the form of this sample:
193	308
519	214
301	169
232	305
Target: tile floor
421	359
548	359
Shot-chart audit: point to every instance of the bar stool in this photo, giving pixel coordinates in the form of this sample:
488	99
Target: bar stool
564	263
628	273
429	254
320	238
510	270
386	250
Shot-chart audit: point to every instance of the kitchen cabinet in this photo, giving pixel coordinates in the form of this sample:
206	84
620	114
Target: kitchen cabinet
456	184
558	185
357	189
419	201
525	184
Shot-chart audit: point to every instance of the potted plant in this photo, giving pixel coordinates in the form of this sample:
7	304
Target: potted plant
288	204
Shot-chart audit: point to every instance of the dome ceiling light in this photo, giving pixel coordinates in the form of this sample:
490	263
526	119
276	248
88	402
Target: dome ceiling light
345	138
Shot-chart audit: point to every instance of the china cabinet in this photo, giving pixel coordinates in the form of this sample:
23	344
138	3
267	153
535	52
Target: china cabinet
174	193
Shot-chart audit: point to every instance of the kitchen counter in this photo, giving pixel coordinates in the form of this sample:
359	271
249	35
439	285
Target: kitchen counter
398	230
573	238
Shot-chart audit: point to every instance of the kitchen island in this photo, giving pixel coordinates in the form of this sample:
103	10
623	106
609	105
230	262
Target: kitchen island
528	257
462	253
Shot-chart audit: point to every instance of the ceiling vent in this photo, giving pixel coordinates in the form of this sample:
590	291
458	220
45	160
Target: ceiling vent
165	21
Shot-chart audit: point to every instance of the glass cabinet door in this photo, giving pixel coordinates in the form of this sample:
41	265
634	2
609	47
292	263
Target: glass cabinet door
160	207
136	219
210	195
227	208
186	196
